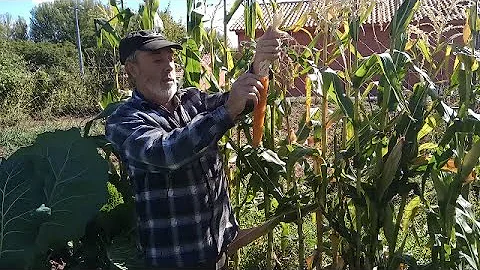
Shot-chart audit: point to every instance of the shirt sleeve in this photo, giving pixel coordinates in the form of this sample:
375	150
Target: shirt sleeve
144	143
212	101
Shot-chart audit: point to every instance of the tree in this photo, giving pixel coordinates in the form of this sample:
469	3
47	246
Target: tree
19	29
172	30
55	21
5	25
10	29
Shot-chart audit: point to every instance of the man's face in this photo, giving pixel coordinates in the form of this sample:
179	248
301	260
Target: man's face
154	74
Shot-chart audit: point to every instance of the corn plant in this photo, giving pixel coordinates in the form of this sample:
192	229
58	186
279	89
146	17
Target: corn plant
369	188
121	21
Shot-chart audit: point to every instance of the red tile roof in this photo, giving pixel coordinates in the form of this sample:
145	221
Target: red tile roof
447	10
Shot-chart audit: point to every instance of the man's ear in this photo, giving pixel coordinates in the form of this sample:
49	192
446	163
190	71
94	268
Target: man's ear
131	69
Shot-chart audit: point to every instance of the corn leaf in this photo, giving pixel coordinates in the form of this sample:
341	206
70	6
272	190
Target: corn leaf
308	98
300	23
422	45
333	84
366	70
470	161
105	29
368	11
430	124
427	146
259	14
250	16
410	212
389	169
401	20
232	11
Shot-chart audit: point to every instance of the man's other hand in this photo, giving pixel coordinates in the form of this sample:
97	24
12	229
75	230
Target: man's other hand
245	88
268	47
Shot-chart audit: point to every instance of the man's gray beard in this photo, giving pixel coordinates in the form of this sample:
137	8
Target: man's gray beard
165	95
169	93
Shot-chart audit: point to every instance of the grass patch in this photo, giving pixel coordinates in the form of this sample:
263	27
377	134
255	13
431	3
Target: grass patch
24	133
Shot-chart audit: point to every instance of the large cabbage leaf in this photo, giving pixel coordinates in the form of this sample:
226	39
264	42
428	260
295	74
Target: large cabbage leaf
49	192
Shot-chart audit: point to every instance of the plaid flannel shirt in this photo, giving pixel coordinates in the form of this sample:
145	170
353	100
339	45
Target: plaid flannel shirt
183	209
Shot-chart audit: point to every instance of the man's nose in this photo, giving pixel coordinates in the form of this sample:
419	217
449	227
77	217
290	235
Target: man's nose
170	67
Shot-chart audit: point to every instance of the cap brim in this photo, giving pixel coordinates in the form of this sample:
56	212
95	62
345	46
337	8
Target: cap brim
154	45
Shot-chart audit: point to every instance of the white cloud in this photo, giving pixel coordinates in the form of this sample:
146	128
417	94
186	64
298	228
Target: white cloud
36	2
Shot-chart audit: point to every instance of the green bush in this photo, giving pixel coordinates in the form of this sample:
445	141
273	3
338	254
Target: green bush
42	80
45	54
16	85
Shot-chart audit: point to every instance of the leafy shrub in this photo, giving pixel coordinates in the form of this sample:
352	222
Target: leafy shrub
16	83
42	80
45	54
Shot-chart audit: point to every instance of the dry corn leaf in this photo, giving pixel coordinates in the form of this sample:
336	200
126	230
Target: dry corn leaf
450	167
292	137
467	32
309	261
421	160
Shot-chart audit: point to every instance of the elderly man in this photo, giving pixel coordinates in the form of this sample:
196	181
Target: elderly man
168	139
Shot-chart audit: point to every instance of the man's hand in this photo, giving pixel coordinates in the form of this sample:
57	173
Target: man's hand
268	48
243	89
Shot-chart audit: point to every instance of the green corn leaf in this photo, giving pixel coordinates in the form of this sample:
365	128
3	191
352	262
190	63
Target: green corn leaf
391	77
427	146
430	124
191	61
260	161
304	128
250	16
146	20
259	15
273	160
299	23
368	11
102	115
410	212
333	84
422	45
125	17
441	185
354	28
284	238
116	12
297	153
470	161
366	70
313	42
232	11
388	226
403	17
106	30
369	88
389	169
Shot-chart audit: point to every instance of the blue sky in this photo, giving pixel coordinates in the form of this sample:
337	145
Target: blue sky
22	8
178	10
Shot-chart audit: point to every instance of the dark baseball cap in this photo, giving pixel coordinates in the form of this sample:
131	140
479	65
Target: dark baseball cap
144	40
